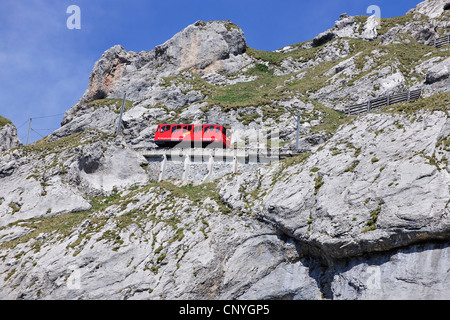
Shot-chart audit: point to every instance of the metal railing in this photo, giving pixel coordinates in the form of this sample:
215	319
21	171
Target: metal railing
379	103
441	42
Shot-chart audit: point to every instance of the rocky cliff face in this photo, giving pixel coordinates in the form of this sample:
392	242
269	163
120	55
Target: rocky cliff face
433	9
8	135
362	214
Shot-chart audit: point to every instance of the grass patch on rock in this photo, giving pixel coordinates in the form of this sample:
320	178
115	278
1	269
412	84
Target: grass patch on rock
437	102
114	104
4	121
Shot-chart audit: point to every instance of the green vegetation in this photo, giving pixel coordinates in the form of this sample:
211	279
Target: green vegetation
318	183
362	21
439	163
114	104
371	224
276	57
259	92
273	112
332	119
288	162
63	226
161	258
389	23
267	88
437	102
193	82
264	91
10	274
4	121
227	23
406	55
352	167
15	208
197	194
246	118
45	146
260	69
230	26
444	143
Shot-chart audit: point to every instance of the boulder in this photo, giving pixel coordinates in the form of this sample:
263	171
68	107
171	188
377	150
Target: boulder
439	72
202	45
344	27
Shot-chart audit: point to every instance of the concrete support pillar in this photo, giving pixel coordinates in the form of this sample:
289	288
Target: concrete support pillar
162	171
187	165
210	169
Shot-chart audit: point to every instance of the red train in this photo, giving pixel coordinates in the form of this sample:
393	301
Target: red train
169	135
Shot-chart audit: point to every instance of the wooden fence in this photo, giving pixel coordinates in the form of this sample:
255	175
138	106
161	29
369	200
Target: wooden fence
379	103
442	41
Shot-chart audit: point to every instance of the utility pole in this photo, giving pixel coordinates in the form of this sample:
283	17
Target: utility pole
297	144
29	129
121	113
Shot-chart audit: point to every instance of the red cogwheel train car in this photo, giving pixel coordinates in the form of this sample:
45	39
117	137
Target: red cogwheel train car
169	135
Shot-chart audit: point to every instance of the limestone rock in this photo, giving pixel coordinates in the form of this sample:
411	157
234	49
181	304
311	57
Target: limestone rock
421	30
406	274
361	214
8	135
346	27
202	46
371	178
439	72
370	28
431	8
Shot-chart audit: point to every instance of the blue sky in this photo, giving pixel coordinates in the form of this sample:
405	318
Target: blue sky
45	67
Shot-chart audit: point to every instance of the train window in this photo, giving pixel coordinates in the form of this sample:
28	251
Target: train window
217	129
165	128
197	129
187	129
175	128
209	128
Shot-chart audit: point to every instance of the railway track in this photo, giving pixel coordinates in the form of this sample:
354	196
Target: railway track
237	157
250	154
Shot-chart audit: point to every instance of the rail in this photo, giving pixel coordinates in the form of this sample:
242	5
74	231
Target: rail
378	103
